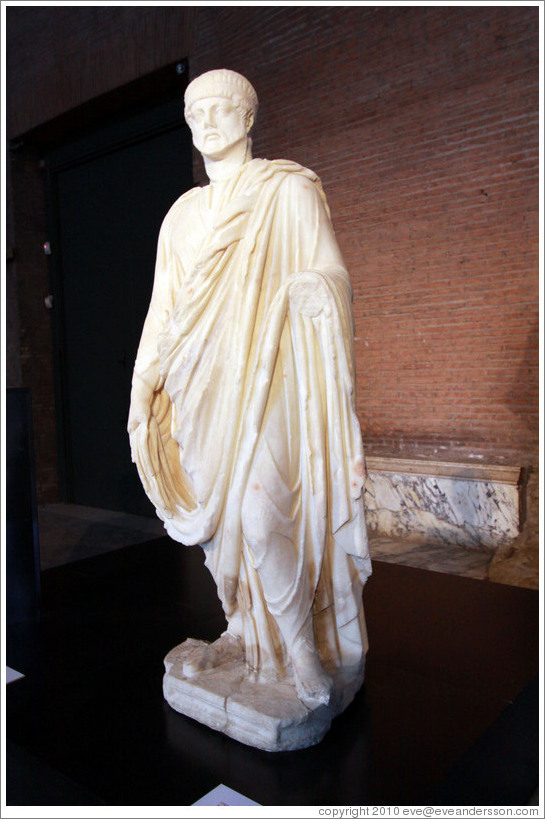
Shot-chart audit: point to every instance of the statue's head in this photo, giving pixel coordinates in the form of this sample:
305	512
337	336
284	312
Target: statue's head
220	109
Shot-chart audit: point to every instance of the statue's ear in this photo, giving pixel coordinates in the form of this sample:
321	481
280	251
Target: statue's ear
249	121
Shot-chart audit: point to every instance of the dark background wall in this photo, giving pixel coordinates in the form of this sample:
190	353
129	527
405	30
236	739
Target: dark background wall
422	123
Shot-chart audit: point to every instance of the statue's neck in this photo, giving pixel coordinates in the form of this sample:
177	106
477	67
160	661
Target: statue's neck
220	170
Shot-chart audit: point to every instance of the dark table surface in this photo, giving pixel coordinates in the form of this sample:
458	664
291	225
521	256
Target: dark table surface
448	710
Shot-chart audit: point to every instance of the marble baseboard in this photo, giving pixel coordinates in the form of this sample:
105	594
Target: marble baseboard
472	506
445	559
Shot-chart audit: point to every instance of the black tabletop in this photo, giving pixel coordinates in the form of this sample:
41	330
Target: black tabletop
450	689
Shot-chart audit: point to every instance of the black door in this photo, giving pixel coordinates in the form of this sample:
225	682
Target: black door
108	194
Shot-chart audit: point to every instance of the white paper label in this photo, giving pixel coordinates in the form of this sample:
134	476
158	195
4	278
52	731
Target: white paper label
222	795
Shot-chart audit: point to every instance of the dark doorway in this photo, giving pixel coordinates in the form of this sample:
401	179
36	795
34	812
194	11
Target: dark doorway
107	195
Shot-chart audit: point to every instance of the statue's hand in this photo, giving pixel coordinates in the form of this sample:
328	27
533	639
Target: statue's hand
137	417
140	408
308	294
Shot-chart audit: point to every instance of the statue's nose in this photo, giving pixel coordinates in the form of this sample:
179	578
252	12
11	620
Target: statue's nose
209	120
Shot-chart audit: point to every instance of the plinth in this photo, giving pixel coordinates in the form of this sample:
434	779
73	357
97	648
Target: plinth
266	715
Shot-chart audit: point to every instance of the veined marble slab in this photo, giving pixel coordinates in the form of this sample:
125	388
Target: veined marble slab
473	506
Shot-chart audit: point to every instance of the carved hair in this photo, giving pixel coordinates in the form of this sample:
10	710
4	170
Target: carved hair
222	83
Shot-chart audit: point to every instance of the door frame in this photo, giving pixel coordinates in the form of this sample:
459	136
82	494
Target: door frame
117	132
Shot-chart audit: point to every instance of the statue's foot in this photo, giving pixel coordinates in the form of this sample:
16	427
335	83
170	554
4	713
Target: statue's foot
314	687
204	656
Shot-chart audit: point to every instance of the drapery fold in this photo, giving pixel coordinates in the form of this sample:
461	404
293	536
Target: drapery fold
248	348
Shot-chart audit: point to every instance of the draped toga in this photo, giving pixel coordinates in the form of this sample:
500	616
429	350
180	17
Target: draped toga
253	435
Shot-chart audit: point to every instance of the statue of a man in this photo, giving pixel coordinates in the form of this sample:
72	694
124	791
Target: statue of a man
242	420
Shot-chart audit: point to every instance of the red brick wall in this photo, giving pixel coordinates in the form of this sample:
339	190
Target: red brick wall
423	125
58	57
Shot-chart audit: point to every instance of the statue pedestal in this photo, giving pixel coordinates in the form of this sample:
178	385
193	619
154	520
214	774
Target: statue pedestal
266	715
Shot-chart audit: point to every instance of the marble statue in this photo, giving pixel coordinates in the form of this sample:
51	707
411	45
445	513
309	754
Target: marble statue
243	428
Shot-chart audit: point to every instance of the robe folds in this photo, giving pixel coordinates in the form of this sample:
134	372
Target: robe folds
252	448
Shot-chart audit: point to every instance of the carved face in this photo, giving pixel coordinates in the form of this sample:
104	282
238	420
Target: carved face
217	125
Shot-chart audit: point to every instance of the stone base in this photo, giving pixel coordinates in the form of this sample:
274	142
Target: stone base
266	715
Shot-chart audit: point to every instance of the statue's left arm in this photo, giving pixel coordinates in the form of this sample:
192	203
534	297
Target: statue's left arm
322	328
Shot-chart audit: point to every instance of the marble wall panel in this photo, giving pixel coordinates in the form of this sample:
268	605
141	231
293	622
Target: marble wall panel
474	512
